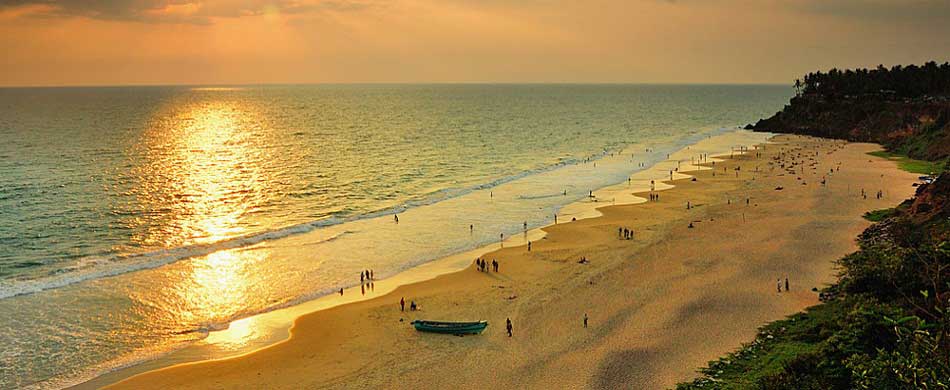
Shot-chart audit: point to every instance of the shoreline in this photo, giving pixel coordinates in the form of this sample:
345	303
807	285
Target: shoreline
278	323
664	231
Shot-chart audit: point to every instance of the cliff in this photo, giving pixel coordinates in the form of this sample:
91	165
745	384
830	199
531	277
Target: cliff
904	108
917	127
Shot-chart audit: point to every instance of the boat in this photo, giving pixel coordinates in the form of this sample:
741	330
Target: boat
450	327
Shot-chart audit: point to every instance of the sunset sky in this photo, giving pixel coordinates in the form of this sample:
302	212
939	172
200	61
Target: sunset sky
107	42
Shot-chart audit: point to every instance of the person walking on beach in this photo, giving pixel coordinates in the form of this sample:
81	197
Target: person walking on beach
402	304
529	246
778	285
508	326
585	320
786	283
396	217
362	277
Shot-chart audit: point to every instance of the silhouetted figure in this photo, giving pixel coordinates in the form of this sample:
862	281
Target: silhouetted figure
786	283
412	306
585	320
508	326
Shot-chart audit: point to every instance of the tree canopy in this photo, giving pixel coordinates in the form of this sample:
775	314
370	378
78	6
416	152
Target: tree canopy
899	81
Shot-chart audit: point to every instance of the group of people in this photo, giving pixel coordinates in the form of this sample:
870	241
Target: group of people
880	194
483	264
366	275
778	284
654	197
624	233
402	305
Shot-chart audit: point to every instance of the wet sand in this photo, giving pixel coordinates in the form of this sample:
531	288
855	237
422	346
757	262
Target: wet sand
659	305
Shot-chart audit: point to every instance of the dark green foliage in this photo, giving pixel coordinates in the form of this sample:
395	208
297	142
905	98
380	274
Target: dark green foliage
899	81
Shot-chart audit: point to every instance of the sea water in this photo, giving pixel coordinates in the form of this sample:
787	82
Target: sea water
136	220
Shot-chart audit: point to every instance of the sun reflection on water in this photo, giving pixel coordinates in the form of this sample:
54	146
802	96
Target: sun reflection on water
204	174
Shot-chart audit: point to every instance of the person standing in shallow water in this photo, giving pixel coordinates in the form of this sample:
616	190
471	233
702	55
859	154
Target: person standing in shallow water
508	326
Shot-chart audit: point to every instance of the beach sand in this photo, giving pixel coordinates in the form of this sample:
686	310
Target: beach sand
660	305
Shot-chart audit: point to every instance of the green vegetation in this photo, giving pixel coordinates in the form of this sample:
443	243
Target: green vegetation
878	215
884	325
898	81
911	165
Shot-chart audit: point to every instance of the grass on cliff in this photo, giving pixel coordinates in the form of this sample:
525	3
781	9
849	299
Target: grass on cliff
878	215
911	165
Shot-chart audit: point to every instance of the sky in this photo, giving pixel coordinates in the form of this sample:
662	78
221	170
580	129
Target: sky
109	42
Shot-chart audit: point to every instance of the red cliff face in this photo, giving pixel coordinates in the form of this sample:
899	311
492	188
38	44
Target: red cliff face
932	200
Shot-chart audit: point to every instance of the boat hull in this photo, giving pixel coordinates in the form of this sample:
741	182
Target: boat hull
450	327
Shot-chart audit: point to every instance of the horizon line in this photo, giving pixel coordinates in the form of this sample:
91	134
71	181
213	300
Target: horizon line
133	85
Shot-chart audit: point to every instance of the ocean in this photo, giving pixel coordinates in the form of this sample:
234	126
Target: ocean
136	220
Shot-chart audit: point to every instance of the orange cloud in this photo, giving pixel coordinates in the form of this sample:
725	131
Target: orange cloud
232	41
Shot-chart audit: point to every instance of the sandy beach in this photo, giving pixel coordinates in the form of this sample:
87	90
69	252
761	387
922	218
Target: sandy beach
659	305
